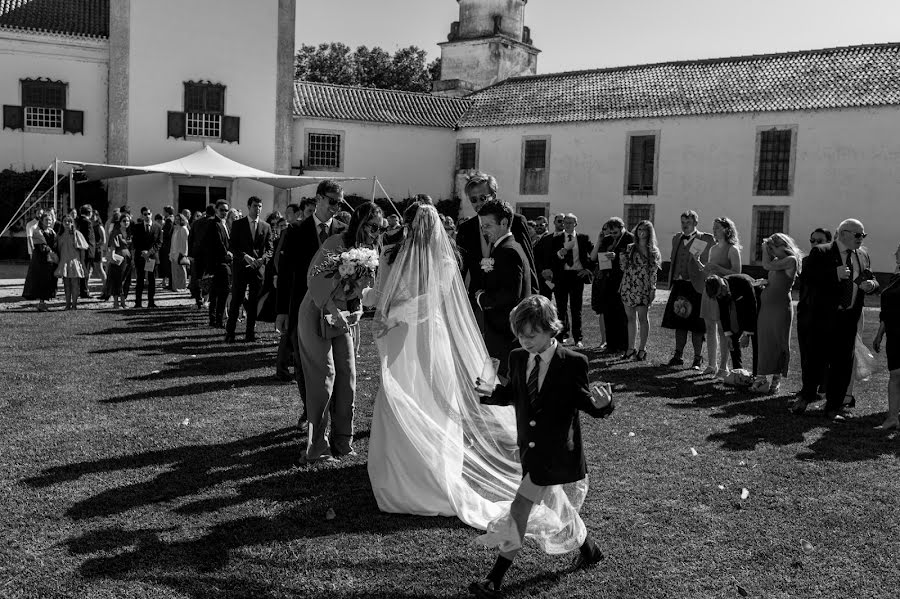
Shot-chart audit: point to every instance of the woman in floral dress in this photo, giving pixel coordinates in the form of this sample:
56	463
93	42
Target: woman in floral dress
640	266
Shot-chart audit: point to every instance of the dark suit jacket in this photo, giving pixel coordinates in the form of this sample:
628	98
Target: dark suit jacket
543	255
215	243
504	287
242	244
168	223
300	244
821	284
697	276
585	247
196	238
86	228
468	242
738	311
549	431
149	240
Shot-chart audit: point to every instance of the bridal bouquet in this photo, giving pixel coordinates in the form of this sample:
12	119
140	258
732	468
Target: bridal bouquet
349	267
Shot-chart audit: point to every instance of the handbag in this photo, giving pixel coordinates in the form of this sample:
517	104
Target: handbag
52	257
116	259
864	364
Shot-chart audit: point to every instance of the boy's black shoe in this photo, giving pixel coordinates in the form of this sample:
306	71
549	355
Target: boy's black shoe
485	589
585	561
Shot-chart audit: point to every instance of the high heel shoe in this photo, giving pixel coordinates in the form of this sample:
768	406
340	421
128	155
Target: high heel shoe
640	356
628	355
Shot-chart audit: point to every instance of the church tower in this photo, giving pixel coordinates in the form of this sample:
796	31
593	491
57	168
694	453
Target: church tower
488	44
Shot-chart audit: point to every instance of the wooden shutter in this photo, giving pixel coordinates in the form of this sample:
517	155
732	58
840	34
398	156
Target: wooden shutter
176	125
13	117
648	167
73	121
641	164
231	129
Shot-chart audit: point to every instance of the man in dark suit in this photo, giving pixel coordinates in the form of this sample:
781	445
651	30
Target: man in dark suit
217	257
147	238
837	277
301	242
736	296
285	359
805	323
505	277
544	256
197	250
251	246
470	240
91	254
572	268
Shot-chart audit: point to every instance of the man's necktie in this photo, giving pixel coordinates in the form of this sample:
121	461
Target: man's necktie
570	254
323	233
533	379
252	229
847	284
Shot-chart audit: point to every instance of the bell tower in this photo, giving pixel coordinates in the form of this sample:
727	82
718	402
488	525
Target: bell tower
489	43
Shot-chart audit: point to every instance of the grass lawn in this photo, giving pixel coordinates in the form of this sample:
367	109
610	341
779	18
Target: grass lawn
143	457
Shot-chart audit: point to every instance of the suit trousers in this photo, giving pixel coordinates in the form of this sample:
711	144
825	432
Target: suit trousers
569	293
249	281
737	360
142	277
218	293
196	275
289	354
806	340
88	267
838	353
329	370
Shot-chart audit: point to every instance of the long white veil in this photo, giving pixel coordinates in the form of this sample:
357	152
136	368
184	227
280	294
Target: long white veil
431	351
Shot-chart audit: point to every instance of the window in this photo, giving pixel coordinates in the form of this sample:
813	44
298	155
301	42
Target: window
467	155
635	213
204	114
532	210
324	150
775	152
535	161
641	171
767	220
43	109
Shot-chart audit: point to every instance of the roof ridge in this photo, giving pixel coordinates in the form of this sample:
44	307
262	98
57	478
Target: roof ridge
695	61
376	89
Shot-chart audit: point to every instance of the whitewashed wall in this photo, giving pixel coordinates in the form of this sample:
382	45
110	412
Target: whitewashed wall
232	42
846	166
81	63
405	159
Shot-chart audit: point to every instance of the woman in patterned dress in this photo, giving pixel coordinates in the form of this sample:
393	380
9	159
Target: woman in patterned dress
641	261
724	260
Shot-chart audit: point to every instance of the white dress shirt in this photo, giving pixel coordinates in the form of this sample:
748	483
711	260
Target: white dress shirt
571	242
546	356
856	270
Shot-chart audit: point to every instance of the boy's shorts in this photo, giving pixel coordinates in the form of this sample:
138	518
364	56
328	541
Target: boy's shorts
532	492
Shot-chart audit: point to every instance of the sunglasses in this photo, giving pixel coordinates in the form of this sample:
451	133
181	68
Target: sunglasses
815	241
857	235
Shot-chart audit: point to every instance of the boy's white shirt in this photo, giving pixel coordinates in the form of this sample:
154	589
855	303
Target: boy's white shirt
546	356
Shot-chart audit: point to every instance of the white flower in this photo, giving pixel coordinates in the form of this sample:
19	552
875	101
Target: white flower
487	264
346	270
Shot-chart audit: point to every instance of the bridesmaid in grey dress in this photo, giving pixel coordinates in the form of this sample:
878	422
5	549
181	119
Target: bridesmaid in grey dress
781	259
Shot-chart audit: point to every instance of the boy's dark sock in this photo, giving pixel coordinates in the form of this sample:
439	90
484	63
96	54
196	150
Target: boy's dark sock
499	571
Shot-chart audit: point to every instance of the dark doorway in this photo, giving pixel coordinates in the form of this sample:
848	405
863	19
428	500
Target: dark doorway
193	197
532	212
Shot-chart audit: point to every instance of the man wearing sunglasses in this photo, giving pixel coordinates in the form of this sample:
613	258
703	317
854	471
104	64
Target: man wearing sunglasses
301	242
218	257
836	277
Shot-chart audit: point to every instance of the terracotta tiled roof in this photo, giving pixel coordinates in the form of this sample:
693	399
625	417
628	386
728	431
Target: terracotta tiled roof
852	76
86	18
340	102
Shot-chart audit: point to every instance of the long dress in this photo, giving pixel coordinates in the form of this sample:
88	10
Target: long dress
40	282
72	245
773	327
709	308
433	449
178	250
120	245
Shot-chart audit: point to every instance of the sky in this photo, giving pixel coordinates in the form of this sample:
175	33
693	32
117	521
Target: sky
586	34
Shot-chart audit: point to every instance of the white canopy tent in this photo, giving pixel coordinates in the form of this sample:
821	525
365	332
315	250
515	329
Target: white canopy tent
205	162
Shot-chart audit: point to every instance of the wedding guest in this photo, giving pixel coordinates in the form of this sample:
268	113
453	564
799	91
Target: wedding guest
838	275
540	225
84	226
302	239
165	265
217	258
724	260
329	362
690	248
598	288
805	322
178	250
121	250
533	235
449	227
572	269
286	357
781	259
307	208
640	267
188	217
889	325
40	280
251	245
72	246
99	267
343	216
112	224
197	242
614	317
147	239
549	437
544	259
736	296
30	228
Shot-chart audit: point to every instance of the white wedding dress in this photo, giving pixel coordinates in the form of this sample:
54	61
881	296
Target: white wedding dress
433	448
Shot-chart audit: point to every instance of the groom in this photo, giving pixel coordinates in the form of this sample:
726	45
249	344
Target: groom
505	277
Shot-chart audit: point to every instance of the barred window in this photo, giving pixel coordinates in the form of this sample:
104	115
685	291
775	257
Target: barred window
641	164
204	105
44	94
467	156
635	213
201	124
535	153
323	151
43	118
774	170
767	220
535	178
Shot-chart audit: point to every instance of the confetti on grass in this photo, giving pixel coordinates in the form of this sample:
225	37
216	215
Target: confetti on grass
693	452
745	493
330	515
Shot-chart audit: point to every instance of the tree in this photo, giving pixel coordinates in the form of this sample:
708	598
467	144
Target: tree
334	63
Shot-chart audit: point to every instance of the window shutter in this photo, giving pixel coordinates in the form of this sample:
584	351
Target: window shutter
176	125
13	117
649	152
73	121
231	129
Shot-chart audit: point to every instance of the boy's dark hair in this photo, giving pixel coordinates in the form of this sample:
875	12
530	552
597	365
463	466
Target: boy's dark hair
328	186
294	207
714	285
537	313
211	210
499	209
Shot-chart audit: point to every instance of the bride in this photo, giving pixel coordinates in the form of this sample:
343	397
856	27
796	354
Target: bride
433	448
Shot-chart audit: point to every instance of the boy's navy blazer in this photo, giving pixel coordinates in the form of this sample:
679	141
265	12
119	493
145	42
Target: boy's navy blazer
549	430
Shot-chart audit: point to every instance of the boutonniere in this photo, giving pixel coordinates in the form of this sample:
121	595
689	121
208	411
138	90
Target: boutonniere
487	264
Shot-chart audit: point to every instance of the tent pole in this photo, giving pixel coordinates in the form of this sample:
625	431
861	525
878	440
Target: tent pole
56	185
374	181
16	214
72	190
